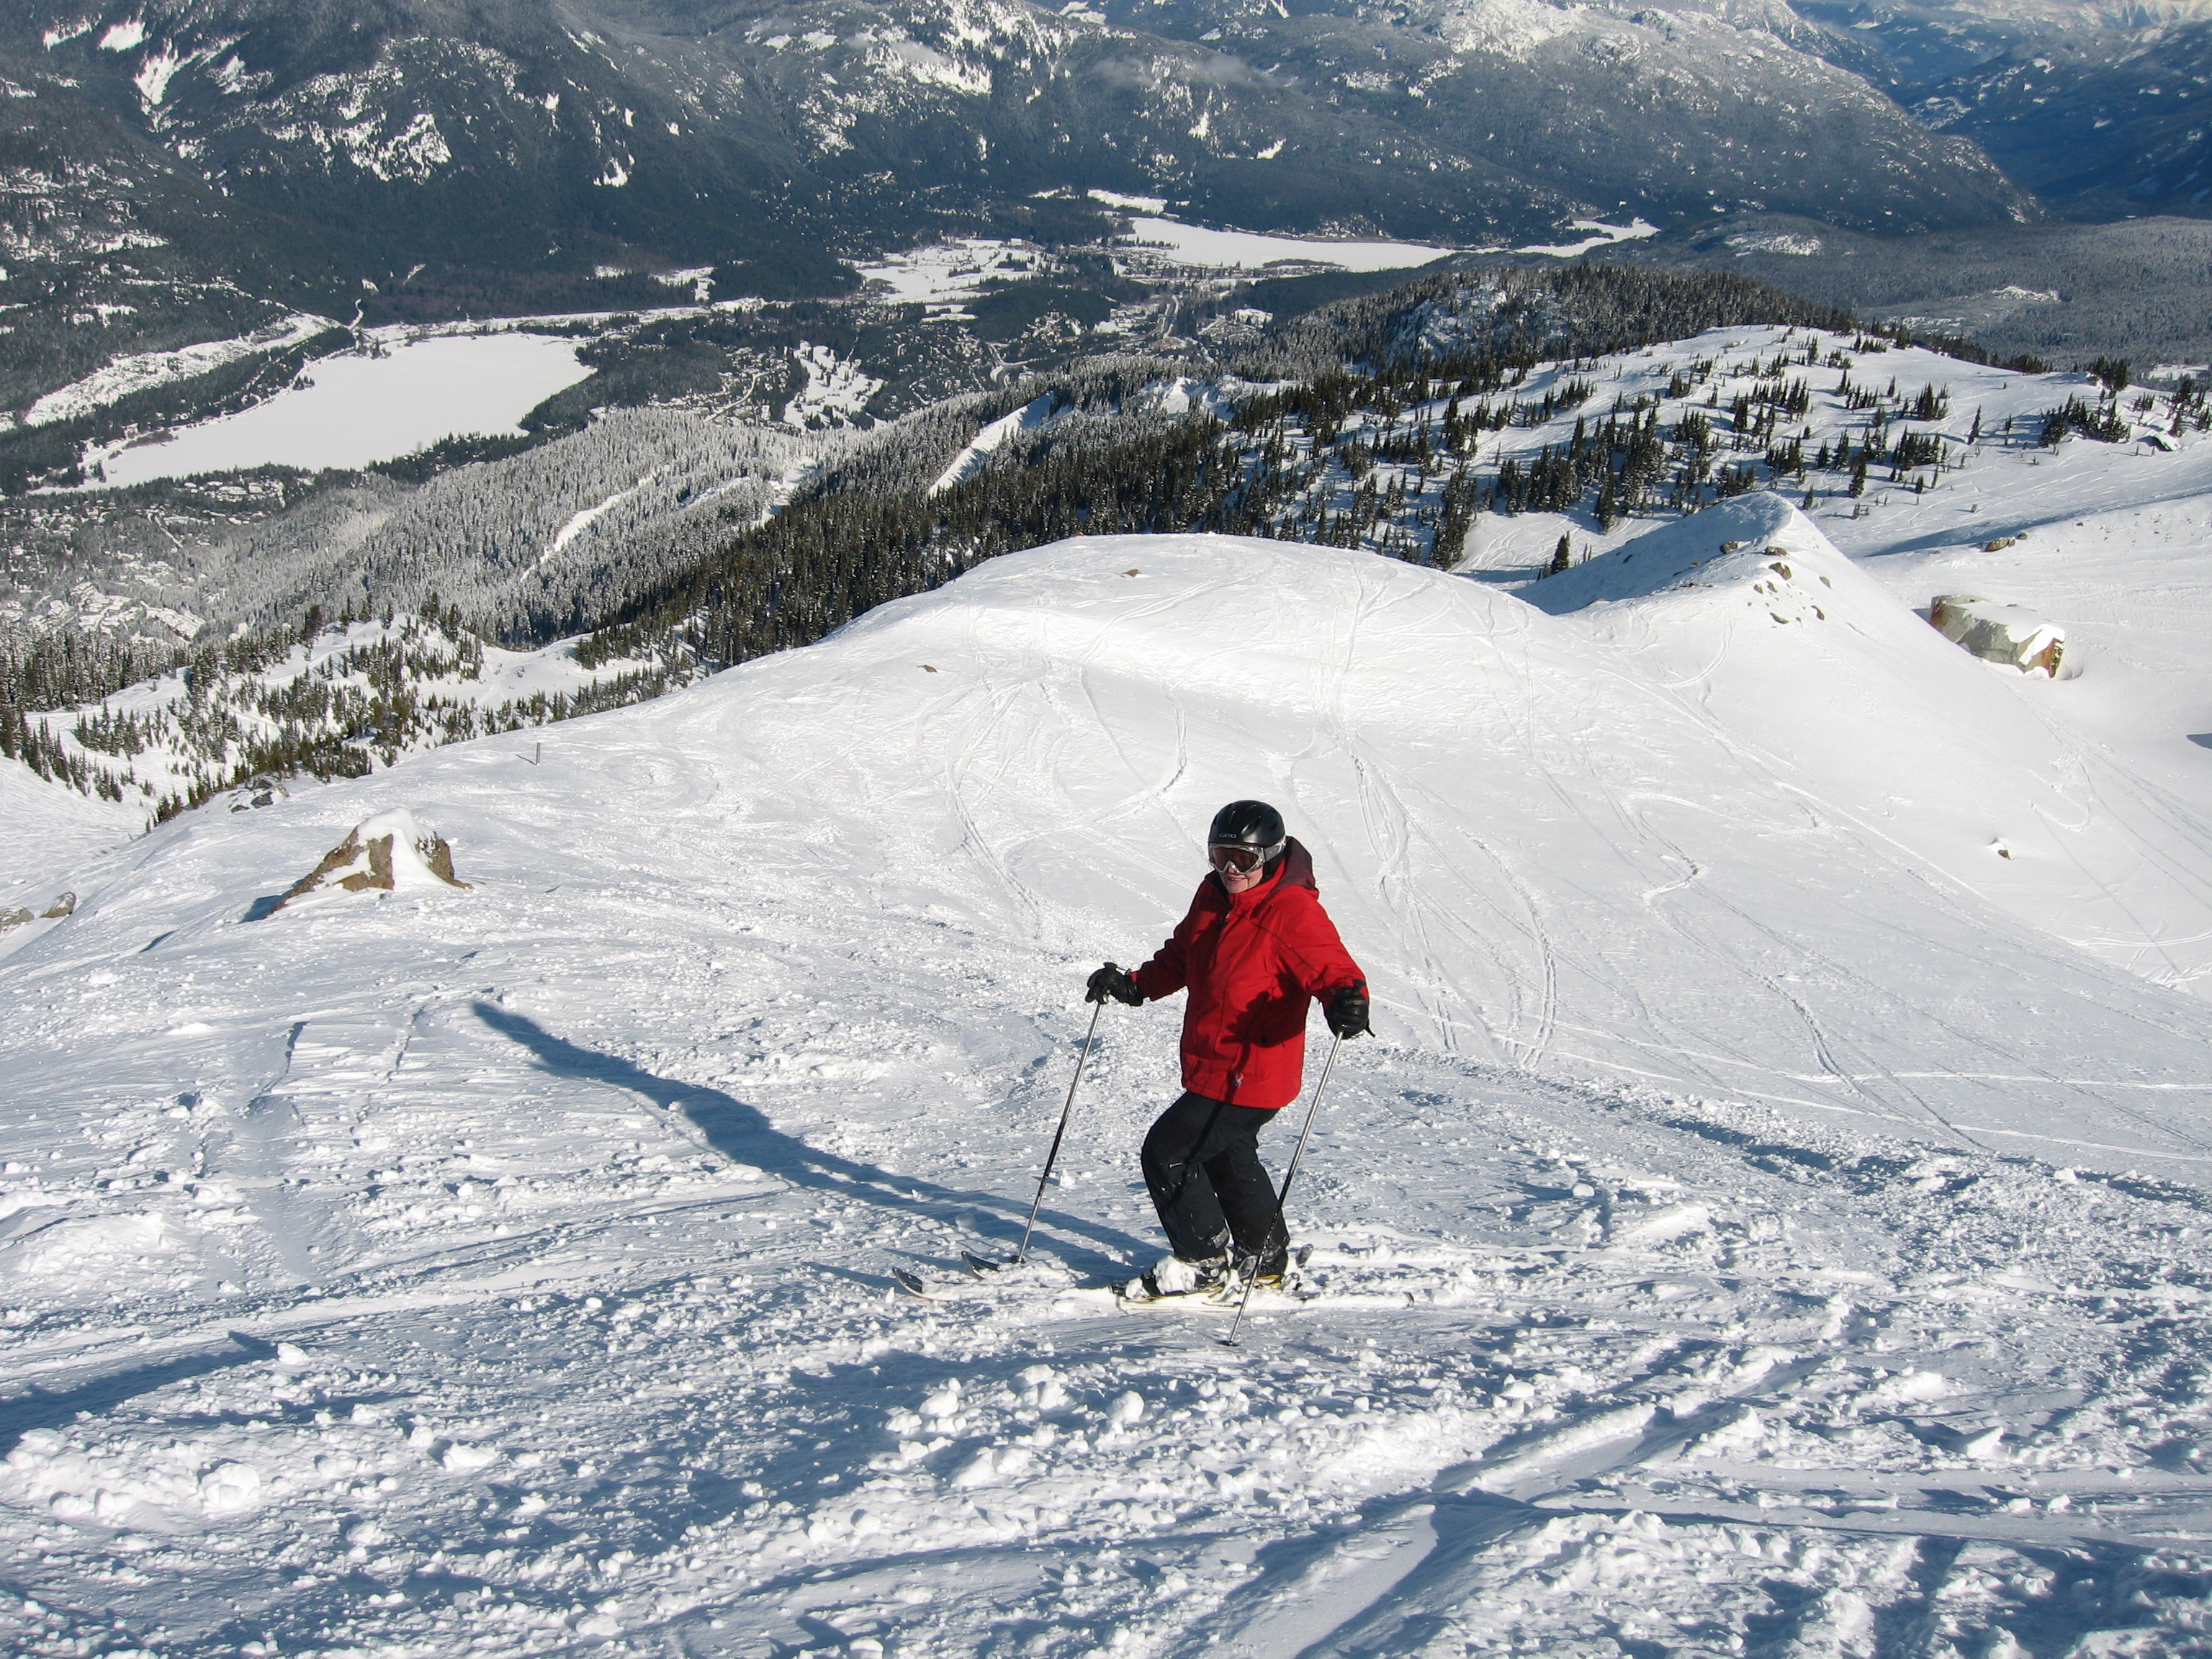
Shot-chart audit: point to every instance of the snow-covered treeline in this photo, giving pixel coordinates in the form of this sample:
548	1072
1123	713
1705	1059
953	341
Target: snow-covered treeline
1521	312
1403	459
326	701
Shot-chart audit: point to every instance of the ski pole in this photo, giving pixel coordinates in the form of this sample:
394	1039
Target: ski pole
1281	1197
1059	1134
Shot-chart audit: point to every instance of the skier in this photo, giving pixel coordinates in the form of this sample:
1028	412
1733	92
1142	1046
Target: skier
1255	950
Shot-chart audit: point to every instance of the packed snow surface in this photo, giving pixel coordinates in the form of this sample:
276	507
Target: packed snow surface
355	410
1744	1234
1740	1235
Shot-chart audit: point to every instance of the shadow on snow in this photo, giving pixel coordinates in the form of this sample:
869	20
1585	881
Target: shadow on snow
743	1134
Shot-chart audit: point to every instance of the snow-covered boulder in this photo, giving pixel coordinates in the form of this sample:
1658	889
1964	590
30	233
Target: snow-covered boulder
1999	633
390	852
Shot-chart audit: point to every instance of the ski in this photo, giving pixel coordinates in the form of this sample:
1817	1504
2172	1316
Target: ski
1213	1302
1291	1292
913	1283
990	1272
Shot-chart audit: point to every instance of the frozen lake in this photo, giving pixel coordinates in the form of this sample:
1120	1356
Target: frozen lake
1230	250
355	410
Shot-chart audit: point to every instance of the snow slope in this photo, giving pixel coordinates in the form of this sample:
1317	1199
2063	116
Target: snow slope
1741	1237
46	829
1973	768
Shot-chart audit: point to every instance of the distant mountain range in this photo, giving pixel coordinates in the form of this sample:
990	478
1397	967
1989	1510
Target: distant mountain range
2098	106
176	171
339	152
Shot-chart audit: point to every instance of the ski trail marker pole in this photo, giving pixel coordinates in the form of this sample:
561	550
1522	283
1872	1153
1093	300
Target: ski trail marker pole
1281	1197
1059	1134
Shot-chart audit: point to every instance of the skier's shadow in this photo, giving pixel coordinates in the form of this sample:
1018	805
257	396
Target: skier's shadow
744	1133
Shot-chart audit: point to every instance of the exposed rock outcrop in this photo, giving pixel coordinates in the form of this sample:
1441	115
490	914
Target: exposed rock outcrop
388	853
1999	633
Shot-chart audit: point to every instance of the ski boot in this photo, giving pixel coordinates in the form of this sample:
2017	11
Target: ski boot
1172	1276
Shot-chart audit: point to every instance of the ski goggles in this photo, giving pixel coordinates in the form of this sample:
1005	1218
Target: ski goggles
1231	855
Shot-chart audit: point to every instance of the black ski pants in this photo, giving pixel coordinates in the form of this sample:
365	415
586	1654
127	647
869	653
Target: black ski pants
1201	1163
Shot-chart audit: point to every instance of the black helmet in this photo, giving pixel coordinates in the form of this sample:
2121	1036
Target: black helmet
1246	823
1252	828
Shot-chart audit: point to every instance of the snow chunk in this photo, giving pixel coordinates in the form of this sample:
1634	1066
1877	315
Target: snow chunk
230	1489
390	852
1997	633
87	1251
1908	1387
123	37
945	1403
1660	1226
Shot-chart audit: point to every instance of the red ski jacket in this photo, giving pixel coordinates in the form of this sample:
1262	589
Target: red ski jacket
1253	962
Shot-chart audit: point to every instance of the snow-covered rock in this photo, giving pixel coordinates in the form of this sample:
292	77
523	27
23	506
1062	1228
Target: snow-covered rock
389	852
2007	634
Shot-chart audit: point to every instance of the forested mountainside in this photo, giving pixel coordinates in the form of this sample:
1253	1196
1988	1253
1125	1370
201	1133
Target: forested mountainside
2067	292
1508	393
528	542
2098	124
363	140
324	697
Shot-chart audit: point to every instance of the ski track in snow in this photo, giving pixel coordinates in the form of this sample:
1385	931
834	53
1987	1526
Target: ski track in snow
506	1271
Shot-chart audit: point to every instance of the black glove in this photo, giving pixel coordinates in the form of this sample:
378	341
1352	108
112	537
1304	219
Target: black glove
1111	982
1347	1012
